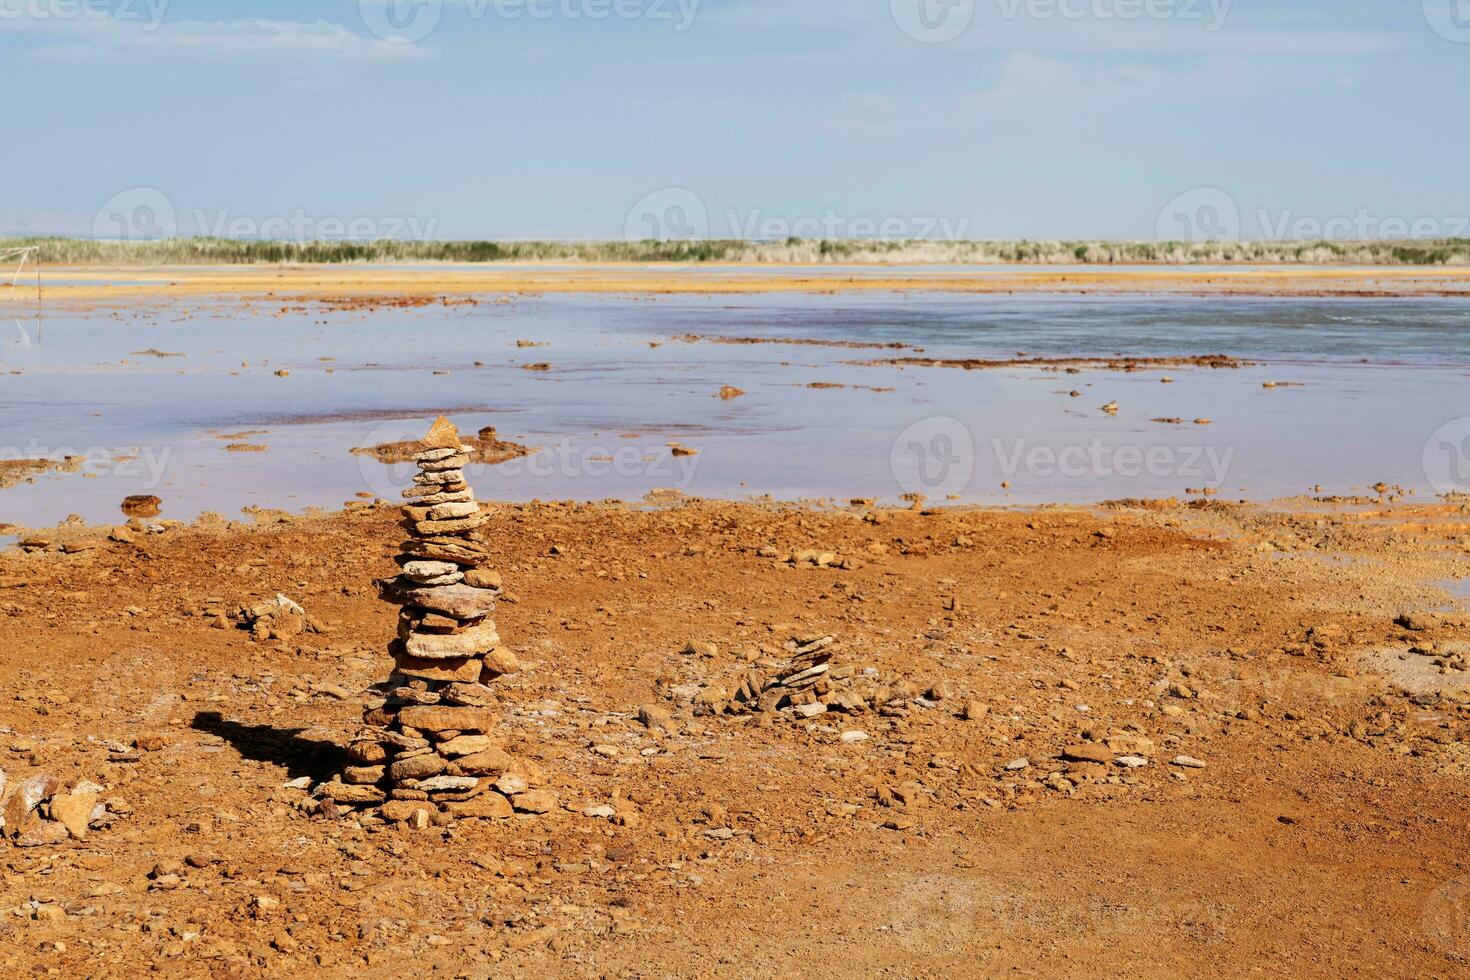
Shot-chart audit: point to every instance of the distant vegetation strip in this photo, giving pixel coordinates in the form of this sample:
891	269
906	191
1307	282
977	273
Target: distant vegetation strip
222	251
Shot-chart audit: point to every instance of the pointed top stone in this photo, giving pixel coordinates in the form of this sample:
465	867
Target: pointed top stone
442	435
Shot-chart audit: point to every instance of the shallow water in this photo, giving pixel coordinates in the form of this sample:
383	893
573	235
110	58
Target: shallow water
1378	379
1457	587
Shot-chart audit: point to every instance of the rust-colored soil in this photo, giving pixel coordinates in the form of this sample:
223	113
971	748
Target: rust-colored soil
1325	835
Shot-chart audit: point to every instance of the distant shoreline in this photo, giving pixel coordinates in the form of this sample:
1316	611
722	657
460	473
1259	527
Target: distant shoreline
368	286
795	251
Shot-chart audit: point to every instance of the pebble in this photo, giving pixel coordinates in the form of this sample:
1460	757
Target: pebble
1188	762
655	716
975	710
1131	761
1016	765
534	801
854	736
1090	752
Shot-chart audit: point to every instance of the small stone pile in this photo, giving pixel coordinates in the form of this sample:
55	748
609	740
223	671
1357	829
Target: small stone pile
427	754
278	619
36	812
808	685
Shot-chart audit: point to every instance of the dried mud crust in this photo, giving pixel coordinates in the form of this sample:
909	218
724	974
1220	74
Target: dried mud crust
1330	803
1070	365
16	471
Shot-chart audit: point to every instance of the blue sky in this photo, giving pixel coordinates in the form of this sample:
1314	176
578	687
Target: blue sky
491	118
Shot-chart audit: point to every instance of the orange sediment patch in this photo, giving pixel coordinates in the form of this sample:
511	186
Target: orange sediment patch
1071	365
366	287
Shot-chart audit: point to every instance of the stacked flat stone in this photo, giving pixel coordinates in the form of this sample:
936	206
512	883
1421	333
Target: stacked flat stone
427	753
808	685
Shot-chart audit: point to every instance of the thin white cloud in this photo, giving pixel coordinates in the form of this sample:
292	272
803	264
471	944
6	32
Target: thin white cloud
242	38
1084	27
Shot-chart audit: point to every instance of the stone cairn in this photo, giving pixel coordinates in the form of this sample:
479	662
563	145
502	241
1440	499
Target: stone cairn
427	754
808	685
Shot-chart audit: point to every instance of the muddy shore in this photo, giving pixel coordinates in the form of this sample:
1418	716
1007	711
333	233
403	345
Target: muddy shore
367	287
1286	682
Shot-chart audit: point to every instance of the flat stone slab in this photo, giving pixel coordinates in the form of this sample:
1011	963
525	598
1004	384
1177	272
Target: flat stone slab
457	601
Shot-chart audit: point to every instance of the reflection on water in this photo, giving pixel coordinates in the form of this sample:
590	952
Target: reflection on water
153	400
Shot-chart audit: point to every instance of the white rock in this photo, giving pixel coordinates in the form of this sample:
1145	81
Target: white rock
606	812
303	782
455	784
1016	765
1131	761
810	710
429	569
512	783
854	736
1188	762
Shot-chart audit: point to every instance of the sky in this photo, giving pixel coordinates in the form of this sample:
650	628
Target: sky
606	119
